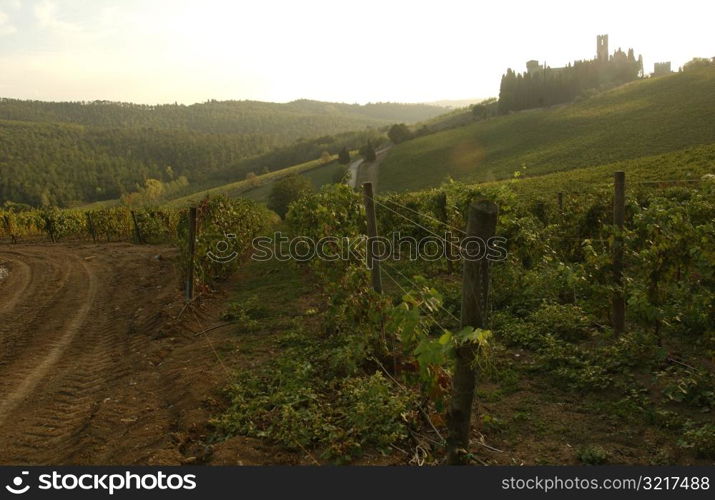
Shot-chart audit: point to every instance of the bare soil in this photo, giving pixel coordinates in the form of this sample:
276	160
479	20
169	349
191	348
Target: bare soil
100	363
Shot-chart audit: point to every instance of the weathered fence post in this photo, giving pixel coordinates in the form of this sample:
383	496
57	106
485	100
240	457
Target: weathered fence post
50	228
482	221
619	211
189	289
372	263
90	226
561	202
137	231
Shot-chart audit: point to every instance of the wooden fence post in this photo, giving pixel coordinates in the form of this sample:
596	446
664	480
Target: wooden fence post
137	231
481	223
561	202
90	226
50	228
189	289
619	211
372	263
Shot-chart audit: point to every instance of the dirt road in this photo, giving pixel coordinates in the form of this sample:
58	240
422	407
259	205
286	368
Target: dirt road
95	367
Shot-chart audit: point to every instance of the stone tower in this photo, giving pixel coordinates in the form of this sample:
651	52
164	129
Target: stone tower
533	66
602	48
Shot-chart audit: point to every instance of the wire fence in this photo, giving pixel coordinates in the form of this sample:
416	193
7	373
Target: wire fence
418	218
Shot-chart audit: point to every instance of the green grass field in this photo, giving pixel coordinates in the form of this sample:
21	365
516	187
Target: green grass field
258	188
641	119
319	176
685	167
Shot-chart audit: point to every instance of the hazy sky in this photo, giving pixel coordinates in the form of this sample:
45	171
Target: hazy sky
354	51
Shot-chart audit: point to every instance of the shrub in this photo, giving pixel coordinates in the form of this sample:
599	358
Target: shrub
564	321
592	455
287	190
700	439
372	409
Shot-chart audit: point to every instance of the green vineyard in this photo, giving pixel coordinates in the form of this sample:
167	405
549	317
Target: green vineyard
217	216
379	366
374	370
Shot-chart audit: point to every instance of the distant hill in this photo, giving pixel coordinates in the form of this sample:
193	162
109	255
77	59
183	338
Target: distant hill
455	103
68	152
642	118
293	120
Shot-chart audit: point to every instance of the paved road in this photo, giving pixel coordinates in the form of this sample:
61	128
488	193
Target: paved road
353	169
362	171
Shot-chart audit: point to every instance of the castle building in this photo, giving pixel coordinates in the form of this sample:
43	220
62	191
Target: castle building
602	48
619	57
541	85
533	66
662	68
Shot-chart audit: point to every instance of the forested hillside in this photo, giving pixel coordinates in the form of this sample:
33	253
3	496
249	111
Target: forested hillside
642	118
65	153
287	122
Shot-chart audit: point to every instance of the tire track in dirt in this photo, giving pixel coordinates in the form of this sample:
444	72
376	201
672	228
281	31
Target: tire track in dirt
111	363
95	368
15	284
67	333
25	298
29	381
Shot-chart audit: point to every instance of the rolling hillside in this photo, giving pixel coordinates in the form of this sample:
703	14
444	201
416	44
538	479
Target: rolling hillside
686	167
291	121
72	153
644	118
259	188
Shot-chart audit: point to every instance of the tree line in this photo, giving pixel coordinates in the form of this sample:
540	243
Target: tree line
545	86
288	121
63	164
66	153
